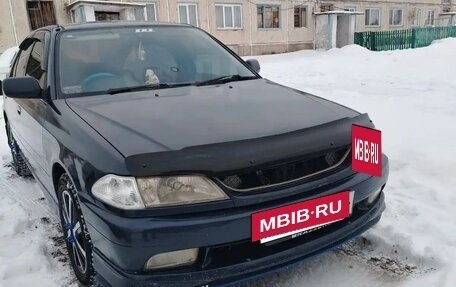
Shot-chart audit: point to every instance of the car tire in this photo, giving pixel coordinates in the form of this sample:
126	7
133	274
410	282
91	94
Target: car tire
19	163
75	231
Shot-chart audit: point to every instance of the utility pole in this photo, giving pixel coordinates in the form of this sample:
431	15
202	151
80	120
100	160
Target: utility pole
13	22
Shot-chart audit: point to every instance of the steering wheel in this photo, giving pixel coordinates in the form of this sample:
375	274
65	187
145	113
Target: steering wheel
89	81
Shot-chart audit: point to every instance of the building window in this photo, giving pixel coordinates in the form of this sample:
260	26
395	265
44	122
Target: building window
416	15
300	17
150	12
228	16
372	17
395	17
188	14
41	13
268	16
326	7
430	18
107	16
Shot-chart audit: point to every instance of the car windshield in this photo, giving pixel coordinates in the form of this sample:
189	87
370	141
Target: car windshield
95	61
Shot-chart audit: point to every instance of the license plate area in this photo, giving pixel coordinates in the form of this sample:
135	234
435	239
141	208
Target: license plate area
300	218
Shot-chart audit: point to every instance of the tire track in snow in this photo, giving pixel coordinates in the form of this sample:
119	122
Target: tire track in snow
25	191
40	232
364	261
28	195
394	262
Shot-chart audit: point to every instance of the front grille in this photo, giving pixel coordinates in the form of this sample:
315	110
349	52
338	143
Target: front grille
306	168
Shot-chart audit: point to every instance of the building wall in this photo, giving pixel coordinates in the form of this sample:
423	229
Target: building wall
249	39
21	23
62	15
386	6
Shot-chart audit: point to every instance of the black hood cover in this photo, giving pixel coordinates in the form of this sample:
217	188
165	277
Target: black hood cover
206	124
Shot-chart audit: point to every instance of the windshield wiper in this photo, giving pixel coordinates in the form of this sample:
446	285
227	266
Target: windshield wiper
145	87
218	80
225	79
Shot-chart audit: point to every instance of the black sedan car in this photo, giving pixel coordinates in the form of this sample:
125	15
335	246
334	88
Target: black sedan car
171	161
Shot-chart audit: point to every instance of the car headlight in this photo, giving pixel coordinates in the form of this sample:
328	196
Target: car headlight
139	193
118	191
175	190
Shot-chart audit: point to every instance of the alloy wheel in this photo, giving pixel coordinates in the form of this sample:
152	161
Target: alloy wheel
73	231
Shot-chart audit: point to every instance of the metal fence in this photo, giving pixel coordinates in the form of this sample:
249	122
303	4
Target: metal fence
403	39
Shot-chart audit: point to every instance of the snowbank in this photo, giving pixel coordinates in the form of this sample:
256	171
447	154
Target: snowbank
6	57
31	248
411	97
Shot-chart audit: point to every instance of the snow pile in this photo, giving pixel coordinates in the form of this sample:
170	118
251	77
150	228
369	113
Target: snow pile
5	59
31	251
410	95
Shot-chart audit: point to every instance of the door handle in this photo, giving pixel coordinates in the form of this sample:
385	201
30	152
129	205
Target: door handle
19	110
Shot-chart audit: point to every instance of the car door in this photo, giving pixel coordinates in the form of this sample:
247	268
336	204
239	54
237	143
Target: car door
11	106
30	113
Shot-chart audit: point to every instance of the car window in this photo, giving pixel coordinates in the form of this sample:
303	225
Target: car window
33	68
22	59
96	60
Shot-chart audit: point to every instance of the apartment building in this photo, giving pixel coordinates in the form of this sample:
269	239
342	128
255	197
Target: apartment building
249	27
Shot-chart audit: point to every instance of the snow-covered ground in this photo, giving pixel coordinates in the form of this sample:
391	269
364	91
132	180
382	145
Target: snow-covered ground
410	95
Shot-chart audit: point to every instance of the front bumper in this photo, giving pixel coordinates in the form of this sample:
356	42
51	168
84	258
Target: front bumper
122	245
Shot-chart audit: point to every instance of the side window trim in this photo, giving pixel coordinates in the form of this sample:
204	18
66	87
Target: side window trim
47	41
44	37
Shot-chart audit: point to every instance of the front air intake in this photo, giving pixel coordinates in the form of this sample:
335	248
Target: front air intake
306	168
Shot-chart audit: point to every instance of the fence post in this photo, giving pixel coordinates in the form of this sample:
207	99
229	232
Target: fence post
373	42
413	38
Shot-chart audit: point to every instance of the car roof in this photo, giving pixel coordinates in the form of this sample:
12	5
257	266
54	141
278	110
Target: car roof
113	24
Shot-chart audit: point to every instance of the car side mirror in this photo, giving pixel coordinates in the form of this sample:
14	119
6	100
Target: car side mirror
254	64
22	88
